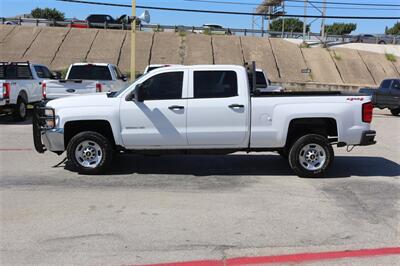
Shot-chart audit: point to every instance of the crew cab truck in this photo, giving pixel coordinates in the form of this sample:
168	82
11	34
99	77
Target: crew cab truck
21	83
202	109
84	78
386	96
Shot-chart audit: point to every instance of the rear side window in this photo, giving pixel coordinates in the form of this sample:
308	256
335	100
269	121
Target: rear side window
90	72
15	72
164	86
215	84
386	84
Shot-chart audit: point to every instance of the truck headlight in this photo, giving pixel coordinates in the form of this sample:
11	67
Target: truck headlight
50	118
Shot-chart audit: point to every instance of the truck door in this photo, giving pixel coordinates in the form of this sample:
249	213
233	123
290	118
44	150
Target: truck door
382	95
160	120
395	94
217	114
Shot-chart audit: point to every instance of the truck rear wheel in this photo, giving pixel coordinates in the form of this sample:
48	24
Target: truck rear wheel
311	156
395	112
20	110
90	152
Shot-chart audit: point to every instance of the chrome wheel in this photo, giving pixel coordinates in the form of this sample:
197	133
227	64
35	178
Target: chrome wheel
312	157
88	154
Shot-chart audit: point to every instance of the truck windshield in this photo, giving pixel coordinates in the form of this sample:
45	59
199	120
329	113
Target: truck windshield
90	72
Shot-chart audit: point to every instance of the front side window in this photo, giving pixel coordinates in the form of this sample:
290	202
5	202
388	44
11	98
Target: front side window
164	86
215	84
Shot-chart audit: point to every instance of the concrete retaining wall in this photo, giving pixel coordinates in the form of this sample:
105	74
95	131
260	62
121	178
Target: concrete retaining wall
17	43
227	50
75	48
107	46
198	50
144	42
260	51
167	49
5	31
351	67
46	45
282	60
290	61
323	69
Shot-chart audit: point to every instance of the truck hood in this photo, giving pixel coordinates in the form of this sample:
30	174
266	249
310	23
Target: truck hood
98	99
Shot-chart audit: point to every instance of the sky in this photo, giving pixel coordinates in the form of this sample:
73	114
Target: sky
9	8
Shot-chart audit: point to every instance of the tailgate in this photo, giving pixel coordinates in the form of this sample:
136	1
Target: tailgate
63	88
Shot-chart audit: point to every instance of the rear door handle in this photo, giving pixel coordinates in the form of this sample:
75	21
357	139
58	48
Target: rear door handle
176	107
235	106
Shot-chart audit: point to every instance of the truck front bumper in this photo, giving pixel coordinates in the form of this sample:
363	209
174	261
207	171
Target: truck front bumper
368	138
51	139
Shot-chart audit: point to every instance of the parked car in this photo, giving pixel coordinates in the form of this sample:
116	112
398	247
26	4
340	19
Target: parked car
21	83
264	84
379	39
84	78
386	96
202	109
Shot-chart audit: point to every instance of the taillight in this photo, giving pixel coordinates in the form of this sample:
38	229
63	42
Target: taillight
98	87
367	111
44	91
6	90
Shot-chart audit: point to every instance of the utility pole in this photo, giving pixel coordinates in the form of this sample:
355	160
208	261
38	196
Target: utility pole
133	41
283	19
323	21
305	21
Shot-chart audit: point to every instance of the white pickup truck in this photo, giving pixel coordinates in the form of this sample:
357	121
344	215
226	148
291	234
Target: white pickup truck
21	83
85	78
203	109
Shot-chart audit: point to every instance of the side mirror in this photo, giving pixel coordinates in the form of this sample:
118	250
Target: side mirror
139	93
56	75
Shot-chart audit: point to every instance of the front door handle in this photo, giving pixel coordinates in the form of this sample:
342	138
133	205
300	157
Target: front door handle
236	106
176	107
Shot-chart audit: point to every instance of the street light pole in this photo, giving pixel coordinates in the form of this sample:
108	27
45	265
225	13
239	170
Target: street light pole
133	41
305	21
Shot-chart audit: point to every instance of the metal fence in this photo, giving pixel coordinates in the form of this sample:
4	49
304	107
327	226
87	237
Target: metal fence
311	37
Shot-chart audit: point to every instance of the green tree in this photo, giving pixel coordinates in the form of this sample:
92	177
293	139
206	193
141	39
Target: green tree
395	30
291	25
48	13
340	28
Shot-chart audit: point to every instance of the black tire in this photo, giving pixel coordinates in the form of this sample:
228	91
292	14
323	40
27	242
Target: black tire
297	149
395	112
381	42
20	110
106	148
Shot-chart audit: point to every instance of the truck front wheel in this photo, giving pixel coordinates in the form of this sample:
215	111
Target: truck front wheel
89	152
311	156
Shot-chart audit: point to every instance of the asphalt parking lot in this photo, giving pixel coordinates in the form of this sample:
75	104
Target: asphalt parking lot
173	208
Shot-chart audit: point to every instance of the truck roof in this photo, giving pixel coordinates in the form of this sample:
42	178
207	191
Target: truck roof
201	67
94	64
